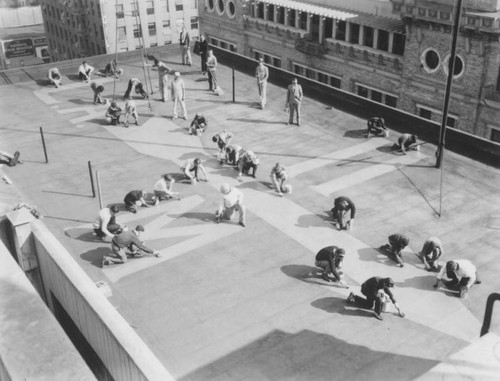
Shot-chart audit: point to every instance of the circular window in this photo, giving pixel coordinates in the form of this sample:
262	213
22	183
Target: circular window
209	4
458	69
430	60
231	9
220	6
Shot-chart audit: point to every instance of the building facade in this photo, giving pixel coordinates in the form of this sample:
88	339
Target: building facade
82	28
394	52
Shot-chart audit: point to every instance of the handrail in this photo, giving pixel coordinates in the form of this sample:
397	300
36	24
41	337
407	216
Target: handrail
488	312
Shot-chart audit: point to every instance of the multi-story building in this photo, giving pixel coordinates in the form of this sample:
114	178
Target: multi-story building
394	52
81	28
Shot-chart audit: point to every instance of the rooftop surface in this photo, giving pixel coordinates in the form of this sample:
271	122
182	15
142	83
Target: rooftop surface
230	303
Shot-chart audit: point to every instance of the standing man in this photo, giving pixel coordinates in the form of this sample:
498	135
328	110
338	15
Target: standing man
178	95
55	77
430	253
105	223
231	201
343	213
185	42
460	275
203	53
262	73
84	71
331	259
211	67
293	100
397	242
371	289
163	71
127	240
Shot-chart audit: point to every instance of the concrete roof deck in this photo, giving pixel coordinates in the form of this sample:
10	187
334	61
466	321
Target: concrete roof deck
229	303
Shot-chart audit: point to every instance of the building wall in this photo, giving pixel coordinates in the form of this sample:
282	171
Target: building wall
12	17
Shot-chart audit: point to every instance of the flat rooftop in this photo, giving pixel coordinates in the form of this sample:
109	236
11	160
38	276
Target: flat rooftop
231	303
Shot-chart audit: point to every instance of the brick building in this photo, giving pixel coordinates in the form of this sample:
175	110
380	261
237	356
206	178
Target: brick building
81	28
394	52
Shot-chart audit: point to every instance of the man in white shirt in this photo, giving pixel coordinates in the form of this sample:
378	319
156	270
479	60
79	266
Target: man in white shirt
163	189
84	71
55	77
460	275
105	224
191	169
232	200
262	73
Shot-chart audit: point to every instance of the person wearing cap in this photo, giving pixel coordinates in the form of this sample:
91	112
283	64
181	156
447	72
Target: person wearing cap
113	113
278	177
185	44
343	212
54	77
178	93
131	110
135	198
233	153
430	253
232	200
397	242
376	127
198	125
406	142
105	224
127	240
247	161
331	259
134	85
191	170
294	96
459	275
262	74
163	71
84	71
163	189
371	290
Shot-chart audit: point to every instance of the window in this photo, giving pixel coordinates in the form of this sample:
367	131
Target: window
398	43
424	113
153	44
276	62
280	15
340	30
328	28
303	16
122	33
194	23
391	101
260	10
292	16
270	12
383	40
376	96
152	28
150	7
362	91
137	31
354	37
179	6
335	82
458	69
166	24
223	44
495	134
430	60
368	36
220	6
135	9
231	9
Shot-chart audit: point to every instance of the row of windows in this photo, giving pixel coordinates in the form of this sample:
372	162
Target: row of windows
152	28
222	6
319	76
224	44
150	7
436	116
268	59
377	95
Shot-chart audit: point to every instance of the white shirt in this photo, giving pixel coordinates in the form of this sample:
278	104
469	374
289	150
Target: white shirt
102	221
465	270
162	186
231	198
84	68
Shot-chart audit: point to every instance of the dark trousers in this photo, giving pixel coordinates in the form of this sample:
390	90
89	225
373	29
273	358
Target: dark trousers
129	89
369	301
113	228
81	77
248	166
212	79
203	62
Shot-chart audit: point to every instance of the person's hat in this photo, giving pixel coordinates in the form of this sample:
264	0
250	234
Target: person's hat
215	138
177	74
340	252
225	188
139	228
197	161
115	209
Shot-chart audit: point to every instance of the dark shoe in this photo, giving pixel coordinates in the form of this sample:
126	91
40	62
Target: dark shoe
325	277
298	124
351	299
287	123
378	316
104	262
478	281
401	264
253	176
243	224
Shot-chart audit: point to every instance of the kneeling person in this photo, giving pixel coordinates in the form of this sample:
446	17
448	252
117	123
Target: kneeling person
397	242
331	259
135	198
460	275
231	201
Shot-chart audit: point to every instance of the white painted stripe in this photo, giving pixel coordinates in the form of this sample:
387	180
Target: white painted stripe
368	173
335	157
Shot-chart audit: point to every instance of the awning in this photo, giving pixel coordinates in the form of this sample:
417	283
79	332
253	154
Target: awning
312	9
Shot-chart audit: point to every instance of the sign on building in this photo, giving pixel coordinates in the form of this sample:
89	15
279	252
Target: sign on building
18	48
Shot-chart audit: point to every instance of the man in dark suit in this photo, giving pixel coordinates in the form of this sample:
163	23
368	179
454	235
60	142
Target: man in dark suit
293	99
203	53
185	42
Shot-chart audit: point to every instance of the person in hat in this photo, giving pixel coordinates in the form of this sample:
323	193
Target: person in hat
376	127
293	101
397	242
135	198
232	200
84	71
331	260
198	125
430	253
163	71
125	244
262	74
192	168
97	90
113	114
278	177
178	93
163	189
54	77
134	85
248	161
105	224
458	275
343	213
131	110
371	290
